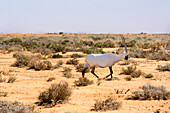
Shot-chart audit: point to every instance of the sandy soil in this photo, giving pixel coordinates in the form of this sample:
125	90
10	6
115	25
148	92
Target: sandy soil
30	83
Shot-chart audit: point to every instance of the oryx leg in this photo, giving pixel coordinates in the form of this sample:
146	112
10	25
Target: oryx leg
84	71
92	71
111	72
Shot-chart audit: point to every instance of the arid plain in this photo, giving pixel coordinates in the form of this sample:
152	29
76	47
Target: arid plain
30	83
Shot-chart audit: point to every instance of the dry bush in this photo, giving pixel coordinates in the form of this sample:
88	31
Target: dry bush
40	65
57	56
72	61
21	60
67	72
128	78
15	107
59	64
159	56
43	51
83	82
129	70
11	79
148	76
76	55
136	74
158	46
163	68
138	53
151	92
80	68
108	104
51	79
57	93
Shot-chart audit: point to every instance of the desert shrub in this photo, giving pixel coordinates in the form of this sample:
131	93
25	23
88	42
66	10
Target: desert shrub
132	43
159	56
136	74
76	55
58	48
151	92
108	104
83	82
15	107
51	79
57	56
129	70
67	72
73	61
144	46
43	51
86	51
148	76
80	68
59	63
57	93
164	68
95	38
128	78
11	79
108	44
40	65
21	60
13	41
88	43
138	53
158	46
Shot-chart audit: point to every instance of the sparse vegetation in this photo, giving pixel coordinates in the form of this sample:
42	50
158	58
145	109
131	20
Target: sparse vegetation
108	104
136	74
83	82
72	61
164	68
15	107
11	79
129	70
128	78
51	79
57	93
57	56
76	55
67	72
151	92
148	76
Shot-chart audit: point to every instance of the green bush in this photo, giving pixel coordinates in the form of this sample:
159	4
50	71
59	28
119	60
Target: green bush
57	56
57	93
148	76
76	55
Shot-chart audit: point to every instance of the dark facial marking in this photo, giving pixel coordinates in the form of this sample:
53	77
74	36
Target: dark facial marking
126	57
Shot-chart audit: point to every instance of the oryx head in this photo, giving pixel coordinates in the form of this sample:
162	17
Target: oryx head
127	55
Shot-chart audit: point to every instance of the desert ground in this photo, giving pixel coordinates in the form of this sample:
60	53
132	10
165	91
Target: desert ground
30	83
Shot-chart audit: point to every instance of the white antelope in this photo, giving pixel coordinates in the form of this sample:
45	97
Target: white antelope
104	60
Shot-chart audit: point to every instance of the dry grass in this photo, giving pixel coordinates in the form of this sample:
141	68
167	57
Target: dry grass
108	104
128	78
51	79
72	61
67	72
151	92
164	68
57	93
136	74
129	70
15	107
11	79
83	82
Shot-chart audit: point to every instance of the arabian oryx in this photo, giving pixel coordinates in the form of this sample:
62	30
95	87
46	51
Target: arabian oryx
104	60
